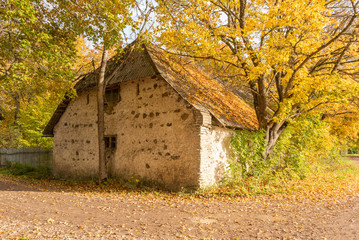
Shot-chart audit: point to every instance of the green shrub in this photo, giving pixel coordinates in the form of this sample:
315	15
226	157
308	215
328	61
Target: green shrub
354	147
353	151
248	148
299	151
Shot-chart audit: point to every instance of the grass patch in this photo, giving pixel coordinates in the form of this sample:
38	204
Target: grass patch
27	170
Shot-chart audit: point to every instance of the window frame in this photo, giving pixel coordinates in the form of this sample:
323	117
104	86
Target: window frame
111	90
110	142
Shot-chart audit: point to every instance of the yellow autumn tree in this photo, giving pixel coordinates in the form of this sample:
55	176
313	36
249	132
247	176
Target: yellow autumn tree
88	58
36	53
294	57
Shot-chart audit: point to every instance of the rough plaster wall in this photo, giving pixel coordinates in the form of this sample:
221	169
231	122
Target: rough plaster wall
215	152
157	135
160	137
75	139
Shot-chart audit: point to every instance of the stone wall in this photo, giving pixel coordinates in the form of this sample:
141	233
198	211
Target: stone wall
160	138
215	151
75	139
157	135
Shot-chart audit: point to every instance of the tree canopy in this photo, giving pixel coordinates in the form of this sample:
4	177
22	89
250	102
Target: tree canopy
294	57
36	53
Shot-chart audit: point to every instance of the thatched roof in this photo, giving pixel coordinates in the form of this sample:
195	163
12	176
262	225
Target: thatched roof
201	90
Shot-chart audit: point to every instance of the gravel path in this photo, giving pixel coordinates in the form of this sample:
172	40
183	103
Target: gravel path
29	212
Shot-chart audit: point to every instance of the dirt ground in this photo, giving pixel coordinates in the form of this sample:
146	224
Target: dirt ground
354	158
28	211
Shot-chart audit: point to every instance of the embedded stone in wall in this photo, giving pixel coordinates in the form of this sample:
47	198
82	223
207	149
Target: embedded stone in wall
184	116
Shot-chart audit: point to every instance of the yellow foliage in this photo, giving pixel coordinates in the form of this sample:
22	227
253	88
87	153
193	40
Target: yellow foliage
294	57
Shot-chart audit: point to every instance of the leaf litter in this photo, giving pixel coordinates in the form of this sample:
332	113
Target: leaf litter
49	209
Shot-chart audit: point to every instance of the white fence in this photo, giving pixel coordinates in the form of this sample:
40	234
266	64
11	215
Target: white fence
31	156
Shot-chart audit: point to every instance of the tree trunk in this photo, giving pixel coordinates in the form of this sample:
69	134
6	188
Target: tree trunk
272	135
102	169
17	107
260	101
273	130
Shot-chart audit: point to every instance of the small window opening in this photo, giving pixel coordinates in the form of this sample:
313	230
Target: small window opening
112	95
138	89
113	142
110	142
88	99
108	96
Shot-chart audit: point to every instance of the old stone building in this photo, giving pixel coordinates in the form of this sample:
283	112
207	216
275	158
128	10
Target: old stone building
166	121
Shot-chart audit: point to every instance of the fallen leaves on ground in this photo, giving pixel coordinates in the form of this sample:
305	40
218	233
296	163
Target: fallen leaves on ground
324	205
